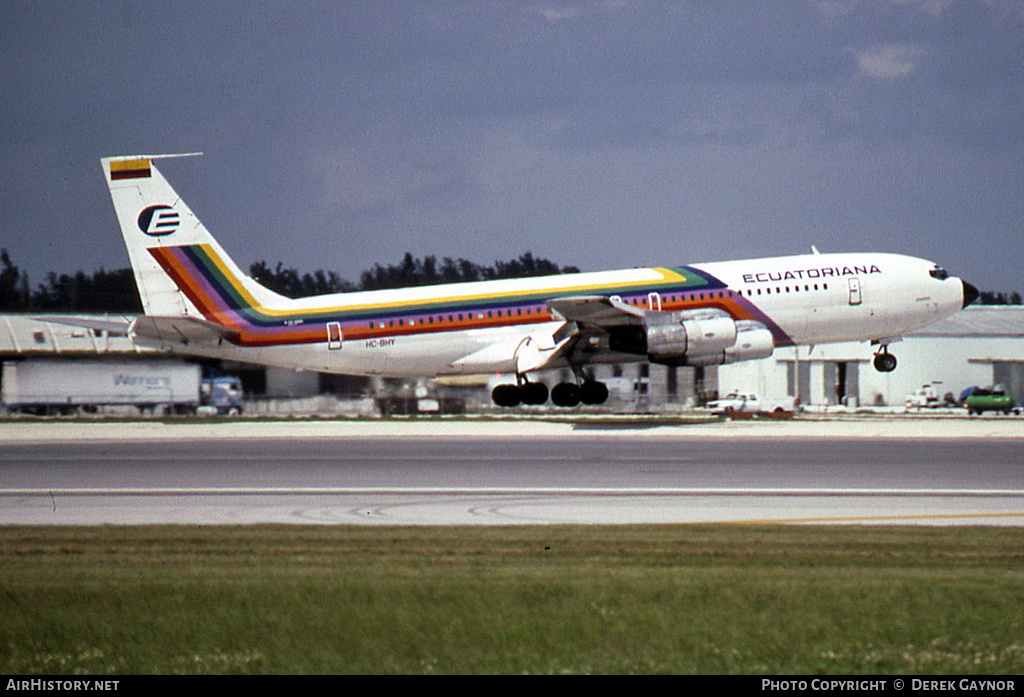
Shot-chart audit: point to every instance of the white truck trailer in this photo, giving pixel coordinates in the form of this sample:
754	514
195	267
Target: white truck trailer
48	386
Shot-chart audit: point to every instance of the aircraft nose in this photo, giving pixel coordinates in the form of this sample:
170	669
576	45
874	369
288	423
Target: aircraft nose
970	293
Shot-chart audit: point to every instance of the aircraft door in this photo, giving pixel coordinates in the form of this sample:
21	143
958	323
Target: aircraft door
654	301
855	292
333	336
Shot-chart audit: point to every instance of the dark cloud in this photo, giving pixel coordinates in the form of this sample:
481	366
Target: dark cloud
601	134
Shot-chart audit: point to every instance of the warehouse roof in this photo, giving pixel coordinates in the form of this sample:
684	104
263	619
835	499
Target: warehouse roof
33	335
979	321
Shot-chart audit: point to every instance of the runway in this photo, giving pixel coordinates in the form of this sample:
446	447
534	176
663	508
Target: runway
490	480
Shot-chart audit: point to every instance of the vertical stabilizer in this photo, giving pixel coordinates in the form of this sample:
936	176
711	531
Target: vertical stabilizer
152	216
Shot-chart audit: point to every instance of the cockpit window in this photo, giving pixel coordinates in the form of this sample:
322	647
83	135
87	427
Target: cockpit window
939	273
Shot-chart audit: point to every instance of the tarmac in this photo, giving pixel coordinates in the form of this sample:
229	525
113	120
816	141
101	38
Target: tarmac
602	426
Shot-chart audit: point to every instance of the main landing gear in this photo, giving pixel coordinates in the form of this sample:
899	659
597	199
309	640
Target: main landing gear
885	362
524	393
564	394
569	394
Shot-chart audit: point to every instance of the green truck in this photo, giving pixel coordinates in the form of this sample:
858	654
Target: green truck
994	398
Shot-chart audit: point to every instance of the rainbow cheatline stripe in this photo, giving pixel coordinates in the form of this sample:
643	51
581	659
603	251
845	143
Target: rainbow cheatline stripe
218	293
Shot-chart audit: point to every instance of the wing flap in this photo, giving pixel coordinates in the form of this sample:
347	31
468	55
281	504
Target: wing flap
518	353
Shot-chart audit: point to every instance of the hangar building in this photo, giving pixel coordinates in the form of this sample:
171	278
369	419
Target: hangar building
980	346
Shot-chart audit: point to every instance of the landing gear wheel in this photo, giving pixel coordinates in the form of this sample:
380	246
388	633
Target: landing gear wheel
593	392
507	395
534	393
565	394
885	362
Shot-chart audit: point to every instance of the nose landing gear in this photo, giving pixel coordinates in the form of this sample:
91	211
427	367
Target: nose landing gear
884	361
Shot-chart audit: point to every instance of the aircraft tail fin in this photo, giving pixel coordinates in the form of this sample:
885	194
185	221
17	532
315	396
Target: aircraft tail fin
180	269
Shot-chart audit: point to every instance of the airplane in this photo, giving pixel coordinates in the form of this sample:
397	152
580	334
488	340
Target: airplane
198	302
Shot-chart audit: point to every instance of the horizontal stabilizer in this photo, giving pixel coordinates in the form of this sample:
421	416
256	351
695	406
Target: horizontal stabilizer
115	327
179	330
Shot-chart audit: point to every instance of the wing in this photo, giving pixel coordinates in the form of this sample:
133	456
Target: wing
598	311
582	316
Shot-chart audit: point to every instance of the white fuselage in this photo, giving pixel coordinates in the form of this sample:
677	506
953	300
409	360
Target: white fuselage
818	299
809	299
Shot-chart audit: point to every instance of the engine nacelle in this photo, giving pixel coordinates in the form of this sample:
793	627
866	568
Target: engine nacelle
753	340
672	336
700	337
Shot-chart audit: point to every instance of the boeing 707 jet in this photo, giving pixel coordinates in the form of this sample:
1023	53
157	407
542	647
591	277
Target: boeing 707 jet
198	302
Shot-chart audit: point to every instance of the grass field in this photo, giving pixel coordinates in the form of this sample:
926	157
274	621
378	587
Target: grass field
624	599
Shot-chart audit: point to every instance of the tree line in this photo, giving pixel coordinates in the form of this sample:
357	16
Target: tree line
115	291
411	271
101	291
989	297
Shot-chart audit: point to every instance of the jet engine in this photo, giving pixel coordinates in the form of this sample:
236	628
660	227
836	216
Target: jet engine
671	335
753	340
699	337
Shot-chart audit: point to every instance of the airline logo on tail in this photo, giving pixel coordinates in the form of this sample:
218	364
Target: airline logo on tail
157	221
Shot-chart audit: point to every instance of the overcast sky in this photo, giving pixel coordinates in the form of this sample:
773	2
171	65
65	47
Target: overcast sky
600	134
